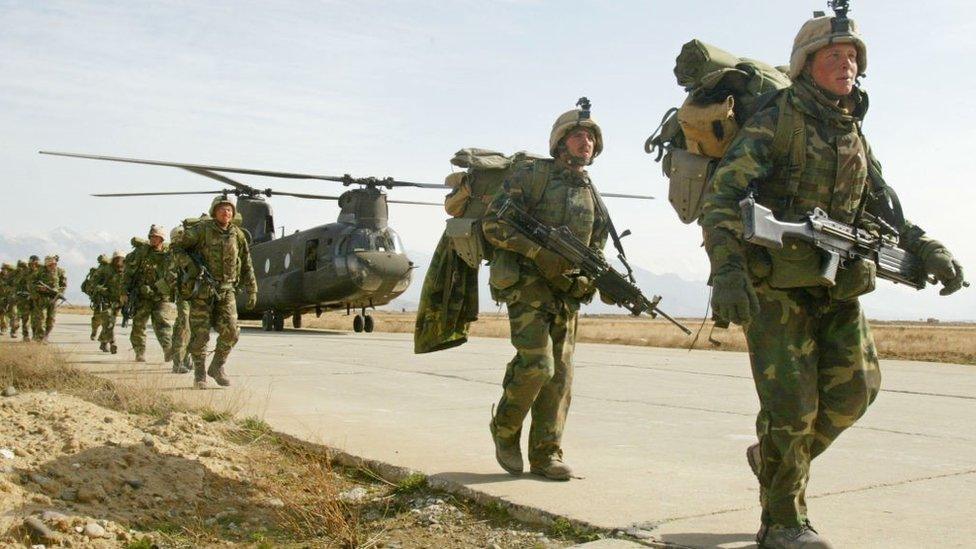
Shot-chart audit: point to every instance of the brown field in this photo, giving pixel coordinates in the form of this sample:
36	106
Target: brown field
933	342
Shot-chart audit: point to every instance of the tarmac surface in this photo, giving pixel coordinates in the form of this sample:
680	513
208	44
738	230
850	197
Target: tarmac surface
658	436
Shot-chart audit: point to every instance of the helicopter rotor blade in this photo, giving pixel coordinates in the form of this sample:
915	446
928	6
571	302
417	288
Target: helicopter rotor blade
415	202
224	179
159	194
637	196
305	195
207	171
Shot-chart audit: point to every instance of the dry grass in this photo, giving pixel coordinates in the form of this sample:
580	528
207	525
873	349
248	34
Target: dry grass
954	343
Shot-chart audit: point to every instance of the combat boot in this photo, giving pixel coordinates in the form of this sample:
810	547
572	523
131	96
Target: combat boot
178	367
199	374
140	356
113	348
791	537
103	346
216	369
168	354
552	468
94	333
508	454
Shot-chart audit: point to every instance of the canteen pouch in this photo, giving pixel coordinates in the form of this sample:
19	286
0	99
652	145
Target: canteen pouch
708	128
855	279
505	269
796	265
688	176
467	239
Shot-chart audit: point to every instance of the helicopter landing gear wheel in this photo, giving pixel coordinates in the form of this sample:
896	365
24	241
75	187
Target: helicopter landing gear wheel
267	321
279	322
368	323
296	320
358	324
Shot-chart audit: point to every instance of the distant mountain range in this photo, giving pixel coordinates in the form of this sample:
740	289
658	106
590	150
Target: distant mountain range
681	297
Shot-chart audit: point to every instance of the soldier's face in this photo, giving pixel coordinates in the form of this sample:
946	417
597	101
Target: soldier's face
223	214
580	143
118	263
834	68
156	242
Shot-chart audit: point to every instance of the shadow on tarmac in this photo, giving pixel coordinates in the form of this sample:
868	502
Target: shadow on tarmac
290	332
487	478
738	541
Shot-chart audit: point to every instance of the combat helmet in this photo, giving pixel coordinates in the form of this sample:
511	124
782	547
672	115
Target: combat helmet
21	263
222	199
176	233
157	230
824	30
103	259
7	267
51	259
118	255
570	120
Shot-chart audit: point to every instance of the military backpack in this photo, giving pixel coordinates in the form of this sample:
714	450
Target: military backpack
724	91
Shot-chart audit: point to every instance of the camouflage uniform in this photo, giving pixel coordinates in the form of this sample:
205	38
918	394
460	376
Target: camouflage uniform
542	310
145	271
96	305
47	283
22	283
226	255
108	289
8	303
813	359
182	277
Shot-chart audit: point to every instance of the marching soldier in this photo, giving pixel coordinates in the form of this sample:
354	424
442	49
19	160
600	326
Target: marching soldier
108	289
182	277
47	288
23	279
813	359
8	301
542	295
221	248
145	273
87	289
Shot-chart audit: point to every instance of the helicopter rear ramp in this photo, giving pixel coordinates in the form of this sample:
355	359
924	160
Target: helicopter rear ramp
657	435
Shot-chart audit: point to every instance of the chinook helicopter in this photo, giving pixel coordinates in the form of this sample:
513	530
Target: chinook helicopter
356	263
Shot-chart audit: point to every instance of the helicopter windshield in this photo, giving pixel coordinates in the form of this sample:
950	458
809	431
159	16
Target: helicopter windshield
367	240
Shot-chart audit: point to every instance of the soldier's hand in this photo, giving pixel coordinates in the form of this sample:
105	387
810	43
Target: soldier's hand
146	291
582	287
252	300
551	264
123	299
940	264
733	297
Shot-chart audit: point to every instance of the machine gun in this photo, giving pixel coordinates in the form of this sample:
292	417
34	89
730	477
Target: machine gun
613	286
55	294
131	302
841	243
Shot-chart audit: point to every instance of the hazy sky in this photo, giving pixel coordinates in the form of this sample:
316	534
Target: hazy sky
395	87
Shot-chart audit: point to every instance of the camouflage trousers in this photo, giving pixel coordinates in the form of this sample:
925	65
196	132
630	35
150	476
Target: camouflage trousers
181	330
539	379
108	317
219	313
44	311
24	309
156	312
96	320
816	372
8	318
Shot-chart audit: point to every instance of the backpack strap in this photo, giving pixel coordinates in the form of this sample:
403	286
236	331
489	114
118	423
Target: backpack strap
538	182
789	146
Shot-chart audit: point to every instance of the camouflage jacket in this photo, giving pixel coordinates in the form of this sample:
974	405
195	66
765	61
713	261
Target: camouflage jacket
834	177
566	199
6	287
225	253
108	285
182	275
145	269
46	284
22	283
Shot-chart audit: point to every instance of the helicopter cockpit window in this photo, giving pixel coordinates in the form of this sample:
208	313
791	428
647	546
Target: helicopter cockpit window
389	241
311	254
367	240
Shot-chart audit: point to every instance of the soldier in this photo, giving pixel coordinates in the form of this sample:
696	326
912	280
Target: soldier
542	295
8	303
813	359
221	248
47	288
108	289
145	273
182	277
23	278
87	289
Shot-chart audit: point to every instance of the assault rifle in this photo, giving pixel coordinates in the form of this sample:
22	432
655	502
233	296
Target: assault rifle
55	294
841	243
613	286
131	302
204	276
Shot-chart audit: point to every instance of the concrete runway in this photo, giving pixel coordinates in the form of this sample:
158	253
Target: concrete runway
658	435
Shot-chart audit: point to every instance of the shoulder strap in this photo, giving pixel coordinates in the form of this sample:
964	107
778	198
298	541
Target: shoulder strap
789	145
538	181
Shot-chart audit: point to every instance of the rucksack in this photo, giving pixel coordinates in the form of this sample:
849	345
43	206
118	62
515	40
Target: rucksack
724	91
473	190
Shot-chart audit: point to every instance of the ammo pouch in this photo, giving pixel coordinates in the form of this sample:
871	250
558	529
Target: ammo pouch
505	269
467	239
853	280
796	265
688	176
